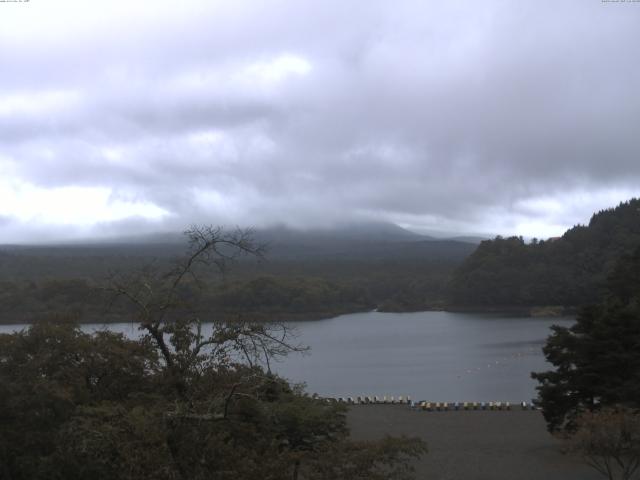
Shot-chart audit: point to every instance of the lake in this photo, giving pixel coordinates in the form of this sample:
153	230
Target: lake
436	356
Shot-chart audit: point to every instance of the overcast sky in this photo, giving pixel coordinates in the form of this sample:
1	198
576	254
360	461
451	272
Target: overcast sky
479	116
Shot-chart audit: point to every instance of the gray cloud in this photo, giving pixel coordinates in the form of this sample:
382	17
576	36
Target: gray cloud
490	116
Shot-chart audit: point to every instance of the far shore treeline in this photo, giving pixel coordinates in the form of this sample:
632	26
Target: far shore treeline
319	275
308	275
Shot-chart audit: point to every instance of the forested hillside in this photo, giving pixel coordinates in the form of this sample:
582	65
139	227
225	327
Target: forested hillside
303	275
175	403
568	271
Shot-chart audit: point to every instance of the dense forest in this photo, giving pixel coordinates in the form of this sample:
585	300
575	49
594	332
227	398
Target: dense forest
174	404
304	275
568	271
263	297
309	275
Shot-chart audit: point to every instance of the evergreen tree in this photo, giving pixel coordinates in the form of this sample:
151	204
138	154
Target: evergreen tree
597	360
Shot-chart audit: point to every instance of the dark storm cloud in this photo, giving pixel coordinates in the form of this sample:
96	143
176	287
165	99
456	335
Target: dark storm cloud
472	116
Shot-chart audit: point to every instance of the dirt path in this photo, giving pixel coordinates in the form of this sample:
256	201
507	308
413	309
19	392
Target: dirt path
474	445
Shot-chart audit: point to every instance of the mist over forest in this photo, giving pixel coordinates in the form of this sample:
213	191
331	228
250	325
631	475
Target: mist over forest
297	240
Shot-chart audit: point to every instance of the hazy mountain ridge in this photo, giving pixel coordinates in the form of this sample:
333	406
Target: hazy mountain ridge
304	275
356	239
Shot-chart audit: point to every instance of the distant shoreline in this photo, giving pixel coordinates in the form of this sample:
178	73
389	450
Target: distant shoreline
525	311
518	311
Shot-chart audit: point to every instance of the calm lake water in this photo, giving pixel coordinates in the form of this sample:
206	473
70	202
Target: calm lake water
436	356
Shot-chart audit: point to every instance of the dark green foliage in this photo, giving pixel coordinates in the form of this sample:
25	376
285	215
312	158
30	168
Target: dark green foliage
272	296
597	361
26	301
177	404
321	280
77	406
569	271
47	373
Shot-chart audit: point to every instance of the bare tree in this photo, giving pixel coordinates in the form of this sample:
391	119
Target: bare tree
609	441
164	305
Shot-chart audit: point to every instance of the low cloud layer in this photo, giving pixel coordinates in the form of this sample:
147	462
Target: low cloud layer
468	117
